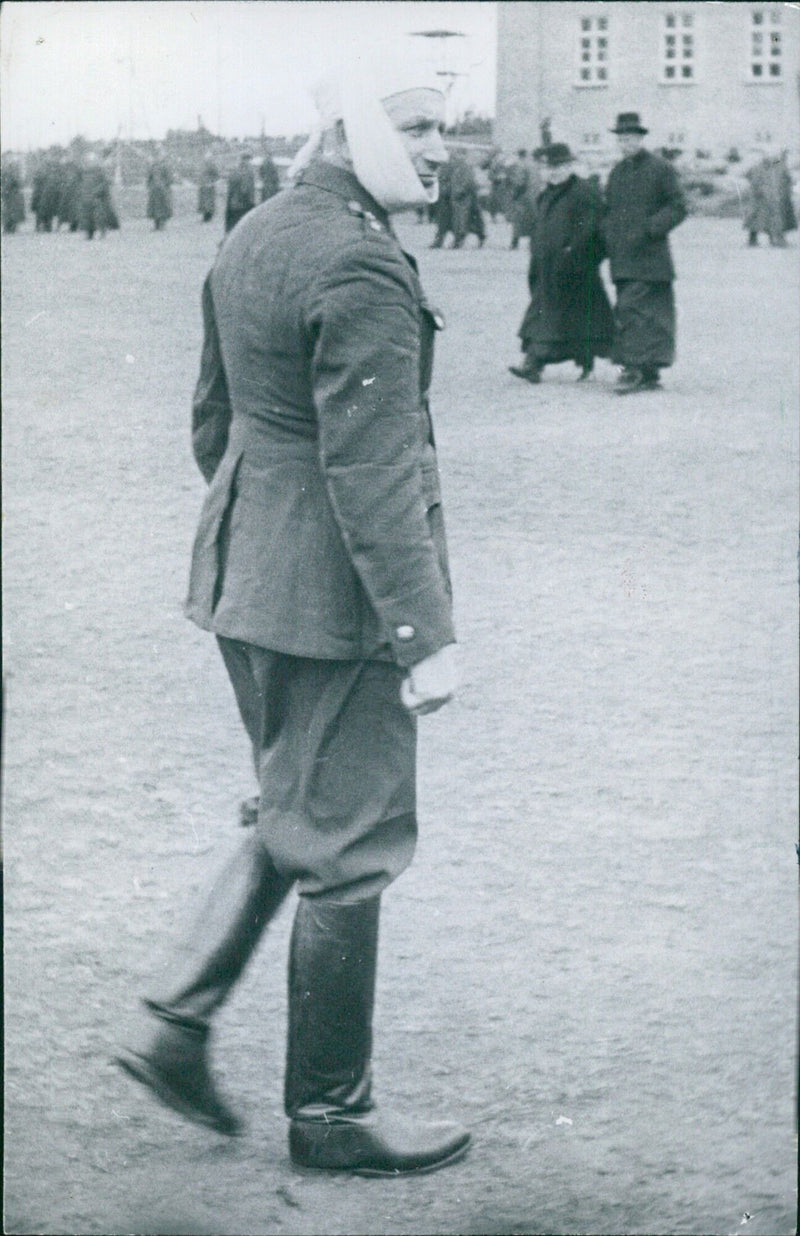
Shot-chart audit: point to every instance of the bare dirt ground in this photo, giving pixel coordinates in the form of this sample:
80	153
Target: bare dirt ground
592	961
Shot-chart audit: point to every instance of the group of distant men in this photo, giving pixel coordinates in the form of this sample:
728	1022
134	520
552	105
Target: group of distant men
65	191
78	193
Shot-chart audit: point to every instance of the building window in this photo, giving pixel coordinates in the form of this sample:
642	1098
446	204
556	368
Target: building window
766	45
593	52
678	48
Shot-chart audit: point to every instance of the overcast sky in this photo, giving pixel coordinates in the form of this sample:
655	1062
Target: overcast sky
144	67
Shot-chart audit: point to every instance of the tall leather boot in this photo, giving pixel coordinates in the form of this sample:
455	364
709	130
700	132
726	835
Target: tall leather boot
334	1124
172	1061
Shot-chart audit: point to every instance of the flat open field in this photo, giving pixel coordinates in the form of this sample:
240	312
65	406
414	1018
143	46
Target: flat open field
592	960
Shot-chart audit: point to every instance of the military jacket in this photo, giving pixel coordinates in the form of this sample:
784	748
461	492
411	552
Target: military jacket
643	203
322	533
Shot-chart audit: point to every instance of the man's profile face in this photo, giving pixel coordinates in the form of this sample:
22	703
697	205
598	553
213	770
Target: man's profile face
418	117
629	143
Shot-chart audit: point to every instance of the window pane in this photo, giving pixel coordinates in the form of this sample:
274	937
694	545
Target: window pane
758	17
670	20
687	19
688	39
602	42
775	17
586	24
601	55
756	69
774	70
601	74
669	71
687	53
602	23
585	75
670	40
686	70
758	39
670	53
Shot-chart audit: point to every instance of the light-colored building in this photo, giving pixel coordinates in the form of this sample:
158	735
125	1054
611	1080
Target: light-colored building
704	76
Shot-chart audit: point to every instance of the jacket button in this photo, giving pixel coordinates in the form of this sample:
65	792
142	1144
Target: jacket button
405	633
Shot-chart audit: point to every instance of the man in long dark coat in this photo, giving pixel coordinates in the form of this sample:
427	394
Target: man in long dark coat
644	203
467	213
96	209
45	195
207	189
69	192
519	198
270	178
770	209
13	196
241	192
569	317
320	564
443	209
159	191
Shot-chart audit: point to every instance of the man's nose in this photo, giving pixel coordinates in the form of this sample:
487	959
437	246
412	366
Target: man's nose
435	149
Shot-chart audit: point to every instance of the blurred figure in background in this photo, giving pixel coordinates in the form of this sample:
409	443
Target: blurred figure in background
520	193
498	185
44	199
159	191
443	208
569	317
241	192
465	208
771	209
13	198
96	209
69	190
270	179
207	189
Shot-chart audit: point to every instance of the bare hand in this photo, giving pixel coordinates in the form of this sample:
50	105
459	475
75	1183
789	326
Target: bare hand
431	683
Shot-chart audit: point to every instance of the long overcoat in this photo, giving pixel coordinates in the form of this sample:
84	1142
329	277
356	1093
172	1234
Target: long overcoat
644	202
321	534
159	192
569	316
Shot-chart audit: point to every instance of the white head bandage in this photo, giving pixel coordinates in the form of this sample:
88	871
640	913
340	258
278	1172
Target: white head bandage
354	94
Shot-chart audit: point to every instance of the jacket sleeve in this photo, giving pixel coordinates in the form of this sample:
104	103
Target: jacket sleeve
365	336
211	408
672	210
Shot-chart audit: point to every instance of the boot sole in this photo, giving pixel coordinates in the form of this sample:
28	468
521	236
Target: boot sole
142	1071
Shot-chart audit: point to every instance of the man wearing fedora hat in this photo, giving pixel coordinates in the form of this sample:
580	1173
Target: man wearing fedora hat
569	317
643	204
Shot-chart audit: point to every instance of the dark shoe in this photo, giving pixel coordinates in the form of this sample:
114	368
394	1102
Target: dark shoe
531	373
586	371
175	1070
372	1145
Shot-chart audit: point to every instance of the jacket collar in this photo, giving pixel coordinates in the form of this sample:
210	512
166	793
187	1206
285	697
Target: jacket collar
344	184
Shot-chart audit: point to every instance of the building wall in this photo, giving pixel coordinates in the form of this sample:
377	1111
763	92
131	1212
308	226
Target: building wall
720	107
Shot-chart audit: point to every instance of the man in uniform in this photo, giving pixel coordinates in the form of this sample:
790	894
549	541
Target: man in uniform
643	204
320	564
241	192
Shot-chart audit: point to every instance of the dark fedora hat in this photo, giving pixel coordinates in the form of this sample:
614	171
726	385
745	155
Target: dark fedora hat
556	154
629	122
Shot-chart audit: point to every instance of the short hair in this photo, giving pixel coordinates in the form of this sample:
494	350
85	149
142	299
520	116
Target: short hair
521	153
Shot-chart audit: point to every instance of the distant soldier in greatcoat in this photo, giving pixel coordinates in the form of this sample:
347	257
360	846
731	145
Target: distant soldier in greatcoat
522	189
69	193
644	203
45	195
159	191
13	197
443	209
771	209
270	178
569	317
207	189
96	209
241	192
320	564
466	210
